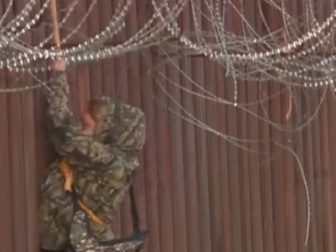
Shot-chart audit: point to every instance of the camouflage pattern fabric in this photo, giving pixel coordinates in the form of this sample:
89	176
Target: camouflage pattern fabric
83	242
56	211
79	235
104	162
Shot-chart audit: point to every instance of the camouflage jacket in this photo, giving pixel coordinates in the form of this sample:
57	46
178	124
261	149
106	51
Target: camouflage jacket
103	165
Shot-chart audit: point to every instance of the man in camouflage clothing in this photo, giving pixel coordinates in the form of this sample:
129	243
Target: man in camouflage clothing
96	164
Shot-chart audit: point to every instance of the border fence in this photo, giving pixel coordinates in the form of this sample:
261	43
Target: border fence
196	191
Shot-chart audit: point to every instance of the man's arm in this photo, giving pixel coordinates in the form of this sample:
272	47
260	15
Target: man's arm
82	149
62	131
69	140
58	111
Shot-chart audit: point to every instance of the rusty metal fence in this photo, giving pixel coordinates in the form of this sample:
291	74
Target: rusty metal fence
196	191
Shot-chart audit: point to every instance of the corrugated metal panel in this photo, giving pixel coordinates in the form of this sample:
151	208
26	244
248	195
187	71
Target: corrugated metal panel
196	192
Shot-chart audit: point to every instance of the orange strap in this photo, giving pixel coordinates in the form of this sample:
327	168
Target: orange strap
68	172
91	215
69	175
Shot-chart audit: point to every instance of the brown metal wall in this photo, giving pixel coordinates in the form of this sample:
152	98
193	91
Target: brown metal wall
196	192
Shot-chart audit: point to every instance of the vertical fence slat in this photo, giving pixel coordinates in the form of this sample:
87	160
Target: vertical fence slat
6	219
201	161
178	176
135	83
189	155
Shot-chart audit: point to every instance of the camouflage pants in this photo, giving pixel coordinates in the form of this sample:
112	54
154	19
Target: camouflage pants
56	211
57	208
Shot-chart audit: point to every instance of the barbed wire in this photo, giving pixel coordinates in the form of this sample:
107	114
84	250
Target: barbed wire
297	52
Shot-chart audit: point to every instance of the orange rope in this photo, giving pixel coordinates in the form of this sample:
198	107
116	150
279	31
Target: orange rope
67	169
53	8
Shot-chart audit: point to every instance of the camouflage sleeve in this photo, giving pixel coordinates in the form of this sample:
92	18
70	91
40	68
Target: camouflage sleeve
58	112
84	150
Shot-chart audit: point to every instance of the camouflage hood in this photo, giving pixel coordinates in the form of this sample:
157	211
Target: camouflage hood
120	125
